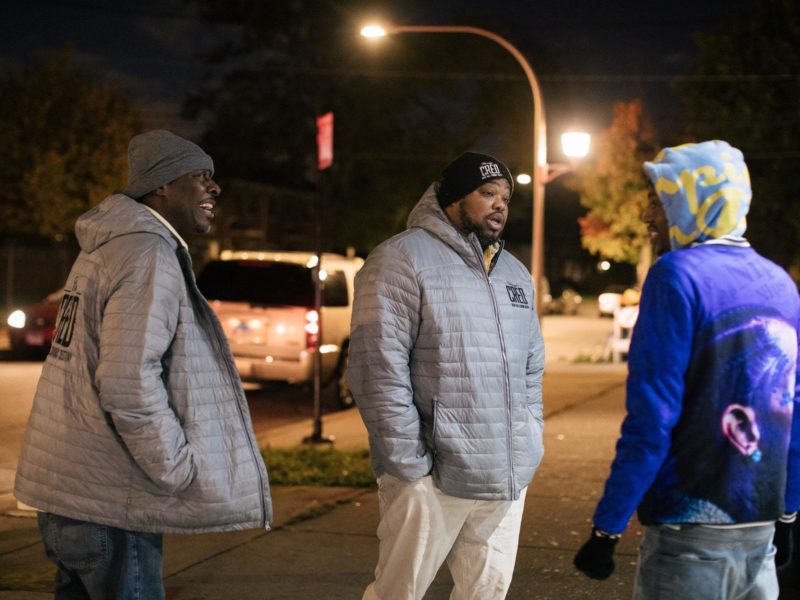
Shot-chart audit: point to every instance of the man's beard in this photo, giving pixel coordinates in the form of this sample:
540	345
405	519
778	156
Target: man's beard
470	226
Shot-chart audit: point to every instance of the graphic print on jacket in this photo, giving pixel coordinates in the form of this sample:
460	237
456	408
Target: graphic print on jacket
711	381
729	447
517	296
65	327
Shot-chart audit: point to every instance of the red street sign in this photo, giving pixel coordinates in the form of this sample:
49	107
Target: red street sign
325	140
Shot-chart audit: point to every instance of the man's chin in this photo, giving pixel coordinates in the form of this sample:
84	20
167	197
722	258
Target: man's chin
659	248
202	228
488	238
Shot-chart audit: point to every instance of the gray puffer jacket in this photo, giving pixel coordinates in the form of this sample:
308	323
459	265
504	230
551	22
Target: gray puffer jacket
139	419
446	361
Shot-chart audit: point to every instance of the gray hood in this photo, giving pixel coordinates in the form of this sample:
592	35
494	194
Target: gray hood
115	216
428	215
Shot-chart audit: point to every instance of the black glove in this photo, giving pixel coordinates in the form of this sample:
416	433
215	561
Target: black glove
783	543
596	556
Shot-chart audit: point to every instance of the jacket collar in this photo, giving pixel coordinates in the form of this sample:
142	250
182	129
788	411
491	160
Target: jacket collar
169	226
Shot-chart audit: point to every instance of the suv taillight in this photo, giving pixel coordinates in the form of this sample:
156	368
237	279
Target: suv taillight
312	329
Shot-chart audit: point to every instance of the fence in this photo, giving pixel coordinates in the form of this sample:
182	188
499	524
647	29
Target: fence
30	269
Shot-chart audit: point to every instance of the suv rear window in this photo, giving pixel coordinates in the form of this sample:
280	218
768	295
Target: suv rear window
268	283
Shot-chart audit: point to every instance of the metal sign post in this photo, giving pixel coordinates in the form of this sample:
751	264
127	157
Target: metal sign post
324	161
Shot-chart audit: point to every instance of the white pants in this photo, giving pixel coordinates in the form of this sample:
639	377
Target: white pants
420	527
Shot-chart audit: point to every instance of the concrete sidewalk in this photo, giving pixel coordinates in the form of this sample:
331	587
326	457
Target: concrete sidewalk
323	543
332	555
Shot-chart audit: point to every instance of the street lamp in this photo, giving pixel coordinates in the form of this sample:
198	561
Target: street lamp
541	171
575	145
523	179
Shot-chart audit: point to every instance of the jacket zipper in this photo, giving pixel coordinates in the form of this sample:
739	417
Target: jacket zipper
216	332
506	376
231	380
435	418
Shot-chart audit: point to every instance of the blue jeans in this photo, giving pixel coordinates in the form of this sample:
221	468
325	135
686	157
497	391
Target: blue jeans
100	562
704	563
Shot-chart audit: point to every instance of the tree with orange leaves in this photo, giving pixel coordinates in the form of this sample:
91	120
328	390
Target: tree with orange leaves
613	188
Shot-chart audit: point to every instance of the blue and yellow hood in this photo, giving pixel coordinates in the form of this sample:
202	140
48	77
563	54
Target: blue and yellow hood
705	190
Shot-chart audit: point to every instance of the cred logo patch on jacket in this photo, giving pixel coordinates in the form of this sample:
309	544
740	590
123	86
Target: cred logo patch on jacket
65	327
517	296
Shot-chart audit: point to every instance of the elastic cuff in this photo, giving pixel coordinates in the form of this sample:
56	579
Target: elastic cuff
788	518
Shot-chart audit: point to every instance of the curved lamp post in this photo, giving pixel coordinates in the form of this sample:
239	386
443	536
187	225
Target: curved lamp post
541	170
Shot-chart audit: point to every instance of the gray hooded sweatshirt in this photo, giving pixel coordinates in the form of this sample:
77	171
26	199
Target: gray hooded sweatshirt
139	420
446	361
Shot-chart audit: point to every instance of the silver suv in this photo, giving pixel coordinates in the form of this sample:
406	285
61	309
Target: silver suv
265	302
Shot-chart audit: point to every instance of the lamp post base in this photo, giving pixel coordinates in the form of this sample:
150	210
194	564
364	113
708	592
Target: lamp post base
319	439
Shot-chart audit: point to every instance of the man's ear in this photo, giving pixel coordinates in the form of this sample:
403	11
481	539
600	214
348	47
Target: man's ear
740	427
156	199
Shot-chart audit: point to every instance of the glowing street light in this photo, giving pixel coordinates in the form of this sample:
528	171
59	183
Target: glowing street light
541	172
523	179
373	31
576	143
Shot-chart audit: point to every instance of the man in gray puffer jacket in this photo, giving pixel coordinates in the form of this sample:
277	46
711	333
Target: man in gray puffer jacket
446	361
139	425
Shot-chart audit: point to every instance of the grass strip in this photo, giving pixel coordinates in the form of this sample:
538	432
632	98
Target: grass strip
319	466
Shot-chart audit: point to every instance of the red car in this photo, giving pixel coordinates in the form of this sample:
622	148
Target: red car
31	328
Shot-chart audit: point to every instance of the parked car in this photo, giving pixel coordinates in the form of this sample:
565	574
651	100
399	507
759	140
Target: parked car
560	298
616	296
31	328
265	302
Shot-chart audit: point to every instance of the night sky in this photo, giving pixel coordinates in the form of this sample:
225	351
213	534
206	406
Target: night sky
607	52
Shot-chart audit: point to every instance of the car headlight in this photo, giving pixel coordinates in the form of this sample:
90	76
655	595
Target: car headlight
16	319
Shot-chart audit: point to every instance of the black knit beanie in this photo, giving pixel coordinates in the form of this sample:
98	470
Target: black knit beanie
466	174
